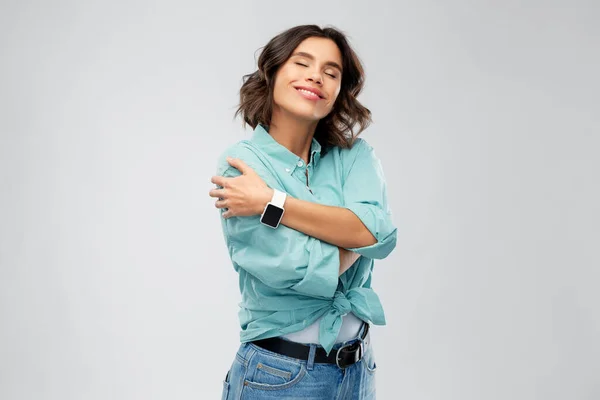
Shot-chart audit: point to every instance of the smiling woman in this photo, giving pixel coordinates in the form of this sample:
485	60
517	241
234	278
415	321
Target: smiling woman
286	60
304	215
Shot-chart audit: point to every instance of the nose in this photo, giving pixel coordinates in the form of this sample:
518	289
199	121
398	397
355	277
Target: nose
316	77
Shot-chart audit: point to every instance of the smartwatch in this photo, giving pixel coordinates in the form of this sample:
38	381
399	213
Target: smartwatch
273	211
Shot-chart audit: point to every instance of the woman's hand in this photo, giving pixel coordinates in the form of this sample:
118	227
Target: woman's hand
244	195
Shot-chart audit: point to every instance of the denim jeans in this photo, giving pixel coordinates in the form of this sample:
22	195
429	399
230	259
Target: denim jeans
257	373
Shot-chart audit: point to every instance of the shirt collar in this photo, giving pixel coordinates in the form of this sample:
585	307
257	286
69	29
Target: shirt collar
280	153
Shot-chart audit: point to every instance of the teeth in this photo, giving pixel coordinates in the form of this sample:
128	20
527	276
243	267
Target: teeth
307	92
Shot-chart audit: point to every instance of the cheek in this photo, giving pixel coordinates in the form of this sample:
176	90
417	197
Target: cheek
278	92
281	89
336	91
332	99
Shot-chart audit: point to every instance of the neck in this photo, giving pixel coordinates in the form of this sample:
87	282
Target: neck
294	134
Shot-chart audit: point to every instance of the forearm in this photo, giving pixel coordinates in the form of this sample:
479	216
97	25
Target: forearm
335	225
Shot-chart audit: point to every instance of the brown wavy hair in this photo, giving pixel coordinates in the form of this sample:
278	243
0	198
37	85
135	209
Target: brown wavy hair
337	128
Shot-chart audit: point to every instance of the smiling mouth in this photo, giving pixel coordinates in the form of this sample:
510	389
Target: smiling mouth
308	94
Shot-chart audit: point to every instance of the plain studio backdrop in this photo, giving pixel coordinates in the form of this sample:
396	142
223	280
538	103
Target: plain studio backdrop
115	281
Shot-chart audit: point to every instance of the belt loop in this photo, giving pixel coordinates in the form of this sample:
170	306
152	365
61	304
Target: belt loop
365	327
311	357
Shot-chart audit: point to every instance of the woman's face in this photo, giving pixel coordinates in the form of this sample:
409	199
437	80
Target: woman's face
308	83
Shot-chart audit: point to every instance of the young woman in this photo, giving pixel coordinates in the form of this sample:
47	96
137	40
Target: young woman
304	214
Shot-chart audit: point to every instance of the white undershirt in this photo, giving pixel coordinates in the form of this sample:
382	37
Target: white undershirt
351	325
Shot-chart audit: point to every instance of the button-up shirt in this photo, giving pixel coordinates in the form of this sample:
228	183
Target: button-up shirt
288	279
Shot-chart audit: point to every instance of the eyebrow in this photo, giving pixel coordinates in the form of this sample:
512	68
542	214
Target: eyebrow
311	57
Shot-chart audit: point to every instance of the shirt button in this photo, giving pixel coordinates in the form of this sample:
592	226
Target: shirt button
287	170
300	163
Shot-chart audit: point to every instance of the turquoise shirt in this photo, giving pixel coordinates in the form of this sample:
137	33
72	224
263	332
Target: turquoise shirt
288	279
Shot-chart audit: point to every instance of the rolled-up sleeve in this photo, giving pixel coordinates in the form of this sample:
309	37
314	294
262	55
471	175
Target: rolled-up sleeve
281	258
365	194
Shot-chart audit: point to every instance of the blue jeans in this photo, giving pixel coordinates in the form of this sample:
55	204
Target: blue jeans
257	373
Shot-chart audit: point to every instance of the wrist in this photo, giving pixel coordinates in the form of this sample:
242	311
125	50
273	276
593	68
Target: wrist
265	198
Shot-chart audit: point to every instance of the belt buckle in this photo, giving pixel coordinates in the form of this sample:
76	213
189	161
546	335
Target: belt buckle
362	353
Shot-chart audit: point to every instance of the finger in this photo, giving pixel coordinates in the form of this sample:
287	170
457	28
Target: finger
220	180
239	165
220	193
221	203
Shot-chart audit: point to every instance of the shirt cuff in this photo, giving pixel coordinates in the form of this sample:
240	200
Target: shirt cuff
380	224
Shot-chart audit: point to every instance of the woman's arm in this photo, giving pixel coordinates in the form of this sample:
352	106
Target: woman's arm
364	225
335	225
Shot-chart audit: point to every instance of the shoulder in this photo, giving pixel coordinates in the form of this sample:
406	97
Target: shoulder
253	157
360	145
360	148
242	150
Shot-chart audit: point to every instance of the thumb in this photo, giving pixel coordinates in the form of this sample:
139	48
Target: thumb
238	164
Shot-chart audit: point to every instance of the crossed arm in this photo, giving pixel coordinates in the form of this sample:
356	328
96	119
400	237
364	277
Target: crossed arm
335	225
362	227
247	195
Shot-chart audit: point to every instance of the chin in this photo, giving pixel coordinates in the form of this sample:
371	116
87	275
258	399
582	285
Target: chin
305	113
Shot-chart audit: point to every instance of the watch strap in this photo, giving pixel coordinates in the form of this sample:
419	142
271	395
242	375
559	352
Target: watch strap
278	198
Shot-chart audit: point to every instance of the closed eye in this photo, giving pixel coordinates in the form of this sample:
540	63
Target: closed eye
304	65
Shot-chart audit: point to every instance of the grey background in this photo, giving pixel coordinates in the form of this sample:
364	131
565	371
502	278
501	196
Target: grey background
114	277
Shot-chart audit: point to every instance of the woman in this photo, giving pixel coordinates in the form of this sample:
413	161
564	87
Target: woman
304	214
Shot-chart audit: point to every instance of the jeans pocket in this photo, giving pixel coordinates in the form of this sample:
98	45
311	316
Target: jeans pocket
369	361
270	371
371	367
225	387
273	375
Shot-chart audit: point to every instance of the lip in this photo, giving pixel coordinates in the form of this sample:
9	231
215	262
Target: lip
312	90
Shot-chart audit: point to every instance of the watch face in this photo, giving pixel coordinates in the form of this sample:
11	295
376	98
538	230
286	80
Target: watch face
272	215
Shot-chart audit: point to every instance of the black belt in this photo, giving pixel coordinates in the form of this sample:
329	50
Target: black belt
342	357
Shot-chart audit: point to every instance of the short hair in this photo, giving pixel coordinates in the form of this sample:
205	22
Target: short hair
337	128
